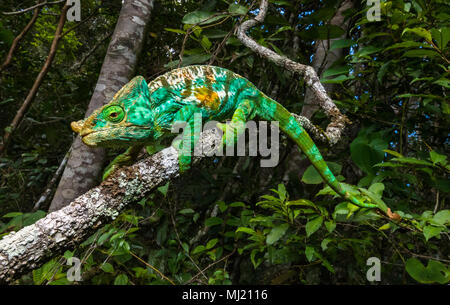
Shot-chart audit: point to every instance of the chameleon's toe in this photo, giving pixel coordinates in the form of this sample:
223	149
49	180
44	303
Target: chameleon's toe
109	170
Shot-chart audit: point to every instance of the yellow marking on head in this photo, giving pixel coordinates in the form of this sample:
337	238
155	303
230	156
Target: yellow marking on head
207	97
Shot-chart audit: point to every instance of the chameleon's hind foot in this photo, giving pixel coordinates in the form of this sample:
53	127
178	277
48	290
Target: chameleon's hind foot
230	134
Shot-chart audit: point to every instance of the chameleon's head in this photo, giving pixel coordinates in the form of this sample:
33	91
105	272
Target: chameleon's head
126	119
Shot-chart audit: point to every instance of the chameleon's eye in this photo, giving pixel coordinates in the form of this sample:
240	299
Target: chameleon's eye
114	114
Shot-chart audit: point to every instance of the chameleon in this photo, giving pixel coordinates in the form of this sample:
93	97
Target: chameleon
141	114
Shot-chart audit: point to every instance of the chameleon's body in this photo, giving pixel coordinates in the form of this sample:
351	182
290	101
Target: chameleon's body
139	115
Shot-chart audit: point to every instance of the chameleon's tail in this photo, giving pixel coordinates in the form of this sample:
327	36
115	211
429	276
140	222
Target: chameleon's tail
271	110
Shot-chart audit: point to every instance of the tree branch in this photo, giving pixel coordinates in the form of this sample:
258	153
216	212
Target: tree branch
338	120
33	7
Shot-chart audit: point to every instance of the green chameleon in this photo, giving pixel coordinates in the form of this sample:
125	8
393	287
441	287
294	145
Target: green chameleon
141	115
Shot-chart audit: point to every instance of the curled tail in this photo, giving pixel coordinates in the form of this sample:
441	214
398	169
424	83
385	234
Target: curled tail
271	110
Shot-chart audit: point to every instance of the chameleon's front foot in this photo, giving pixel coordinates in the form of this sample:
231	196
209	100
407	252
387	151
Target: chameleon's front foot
230	134
127	158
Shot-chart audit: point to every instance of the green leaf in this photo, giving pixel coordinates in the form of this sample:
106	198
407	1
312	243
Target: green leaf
282	191
324	243
437	158
410	160
189	60
442	217
335	71
214	33
237	204
420	32
201	17
163	189
198	249
276	233
206	43
211	243
311	176
441	36
237	9
330	225
394	153
12	215
377	188
186	211
309	252
342	43
246	230
313	225
431	231
175	31
365	51
121	279
444	82
185	247
367	149
420	53
337	80
107	267
407	44
328	31
382	71
434	272
213	221
385	227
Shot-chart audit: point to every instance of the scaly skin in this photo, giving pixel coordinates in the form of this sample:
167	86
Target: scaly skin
140	115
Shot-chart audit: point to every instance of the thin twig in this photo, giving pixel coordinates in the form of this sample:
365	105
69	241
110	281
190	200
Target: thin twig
99	43
153	268
33	7
210	265
181	245
81	22
19	37
45	196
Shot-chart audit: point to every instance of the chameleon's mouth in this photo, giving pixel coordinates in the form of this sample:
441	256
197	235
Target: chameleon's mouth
109	137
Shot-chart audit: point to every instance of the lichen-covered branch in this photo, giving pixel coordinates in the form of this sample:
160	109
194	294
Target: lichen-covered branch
338	120
27	249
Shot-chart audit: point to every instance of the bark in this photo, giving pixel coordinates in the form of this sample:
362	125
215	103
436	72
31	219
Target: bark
37	83
33	7
323	58
18	38
85	164
338	120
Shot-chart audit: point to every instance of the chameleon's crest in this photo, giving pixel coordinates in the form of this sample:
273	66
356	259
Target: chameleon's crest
127	118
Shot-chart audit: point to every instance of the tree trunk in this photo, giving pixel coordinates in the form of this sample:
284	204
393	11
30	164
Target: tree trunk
323	59
85	163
